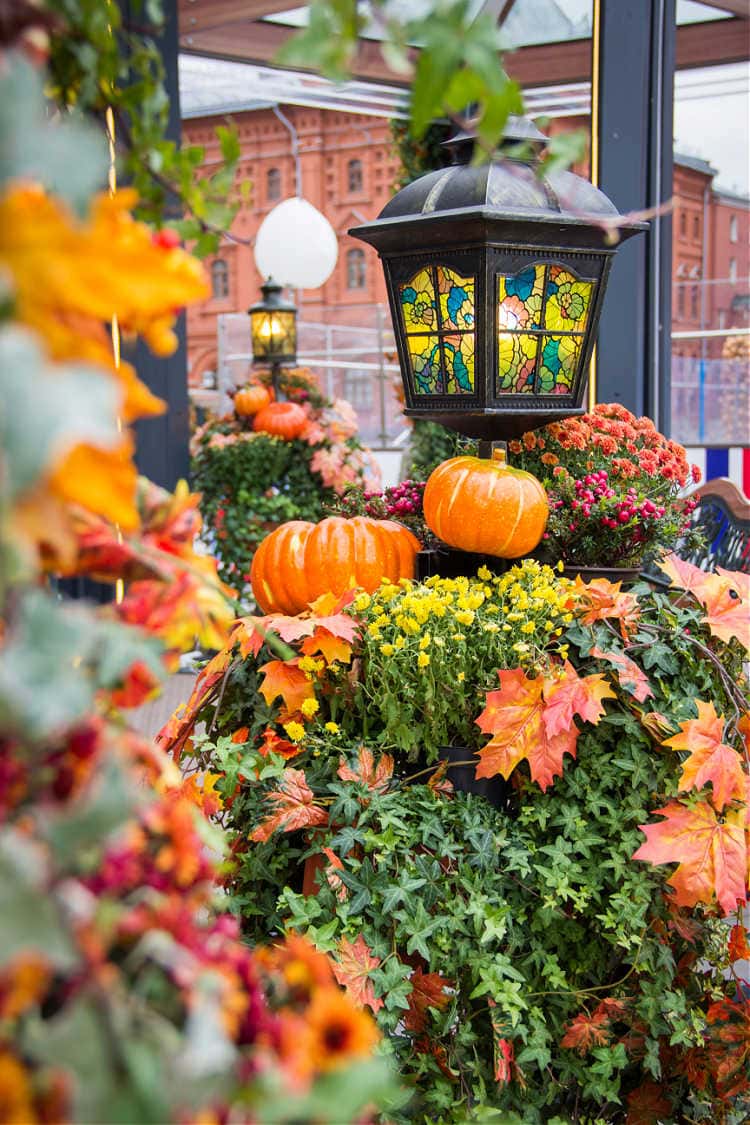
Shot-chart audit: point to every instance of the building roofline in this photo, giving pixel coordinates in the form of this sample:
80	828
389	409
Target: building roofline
697	163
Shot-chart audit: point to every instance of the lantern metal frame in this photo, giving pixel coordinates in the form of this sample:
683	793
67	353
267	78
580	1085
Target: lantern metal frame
485	222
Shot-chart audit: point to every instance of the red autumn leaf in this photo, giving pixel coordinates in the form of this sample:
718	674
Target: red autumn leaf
516	717
601	599
739	950
504	1058
567	694
631	677
334	881
729	1047
711	853
710	758
284	678
294	808
330	647
273	744
352	970
367	773
176	730
427	991
725	597
438	782
138	685
647	1105
587	1031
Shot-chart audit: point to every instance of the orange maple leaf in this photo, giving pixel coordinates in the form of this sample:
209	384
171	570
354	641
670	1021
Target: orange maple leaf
587	1031
516	716
176	730
725	597
374	777
710	758
631	677
739	950
601	599
331	648
294	808
567	694
711	853
427	991
284	678
352	970
251	631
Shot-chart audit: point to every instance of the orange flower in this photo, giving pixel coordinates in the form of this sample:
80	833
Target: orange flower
16	1098
340	1032
303	969
22	983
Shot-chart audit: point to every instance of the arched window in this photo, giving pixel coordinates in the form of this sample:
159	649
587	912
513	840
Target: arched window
733	232
354	175
273	184
694	302
680	301
732	269
355	269
683	224
219	278
696	227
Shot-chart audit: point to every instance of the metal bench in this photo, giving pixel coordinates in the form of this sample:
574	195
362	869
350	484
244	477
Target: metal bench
723	515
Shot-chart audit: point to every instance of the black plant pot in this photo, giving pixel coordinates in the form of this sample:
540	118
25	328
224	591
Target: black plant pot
496	790
628	575
449	562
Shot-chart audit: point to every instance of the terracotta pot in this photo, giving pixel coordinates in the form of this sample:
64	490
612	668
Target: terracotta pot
628	575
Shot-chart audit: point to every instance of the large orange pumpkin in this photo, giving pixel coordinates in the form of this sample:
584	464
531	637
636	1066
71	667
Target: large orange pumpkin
286	420
251	399
485	506
299	561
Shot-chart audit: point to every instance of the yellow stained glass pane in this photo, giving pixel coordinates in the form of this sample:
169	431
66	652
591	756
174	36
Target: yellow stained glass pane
568	301
458	353
456	295
520	300
418	303
424	354
558	364
516	362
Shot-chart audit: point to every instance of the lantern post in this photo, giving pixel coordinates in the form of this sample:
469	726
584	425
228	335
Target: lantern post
273	330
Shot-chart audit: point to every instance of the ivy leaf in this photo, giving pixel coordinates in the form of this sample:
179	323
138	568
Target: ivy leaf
729	1047
284	678
374	777
725	598
631	677
587	1031
352	970
517	718
710	758
294	808
567	694
427	991
711	853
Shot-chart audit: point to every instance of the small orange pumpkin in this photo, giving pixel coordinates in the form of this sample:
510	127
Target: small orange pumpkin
299	561
251	399
286	420
486	506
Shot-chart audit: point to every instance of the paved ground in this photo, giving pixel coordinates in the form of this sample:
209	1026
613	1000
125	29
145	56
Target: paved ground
150	718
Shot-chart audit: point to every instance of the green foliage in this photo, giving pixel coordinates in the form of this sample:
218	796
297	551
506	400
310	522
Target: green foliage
533	913
249	486
103	57
430	445
419	156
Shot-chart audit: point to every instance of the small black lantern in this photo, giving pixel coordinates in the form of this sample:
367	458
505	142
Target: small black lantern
273	328
495	279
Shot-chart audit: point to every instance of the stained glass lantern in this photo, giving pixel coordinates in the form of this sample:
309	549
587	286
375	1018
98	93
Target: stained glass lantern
273	327
496	278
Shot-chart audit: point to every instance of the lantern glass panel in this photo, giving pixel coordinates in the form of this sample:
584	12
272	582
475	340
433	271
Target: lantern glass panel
437	306
542	315
274	333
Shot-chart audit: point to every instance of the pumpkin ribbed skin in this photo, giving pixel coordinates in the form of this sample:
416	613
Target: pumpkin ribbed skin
286	420
485	506
251	399
299	561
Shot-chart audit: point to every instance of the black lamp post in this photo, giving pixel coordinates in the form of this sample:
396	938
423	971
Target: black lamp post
273	330
495	279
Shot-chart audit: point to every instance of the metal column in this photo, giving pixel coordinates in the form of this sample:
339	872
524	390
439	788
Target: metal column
635	52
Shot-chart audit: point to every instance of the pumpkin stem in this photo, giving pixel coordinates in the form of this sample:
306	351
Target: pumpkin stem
494	451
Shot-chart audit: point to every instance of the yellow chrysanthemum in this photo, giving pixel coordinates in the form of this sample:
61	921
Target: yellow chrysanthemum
295	731
309	707
332	728
423	659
